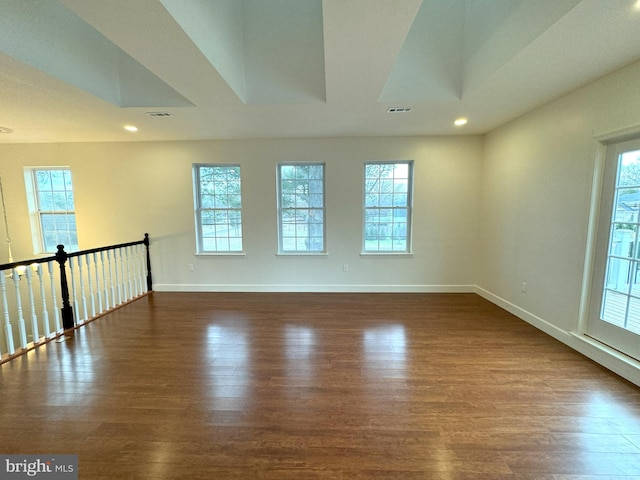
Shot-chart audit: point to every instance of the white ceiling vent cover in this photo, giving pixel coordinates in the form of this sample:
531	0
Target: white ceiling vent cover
399	110
160	114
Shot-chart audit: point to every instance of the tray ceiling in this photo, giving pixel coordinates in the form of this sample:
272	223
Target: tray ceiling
78	70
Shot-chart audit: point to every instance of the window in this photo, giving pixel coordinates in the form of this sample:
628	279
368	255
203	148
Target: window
387	206
301	208
218	202
51	205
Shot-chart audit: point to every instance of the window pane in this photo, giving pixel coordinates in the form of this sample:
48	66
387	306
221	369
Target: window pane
400	200
629	169
206	201
70	201
57	179
289	244
372	200
400	186
219	204
59	201
618	275
235	244
59	229
222	244
623	240
614	307
316	172
316	244
633	317
45	201
626	207
43	179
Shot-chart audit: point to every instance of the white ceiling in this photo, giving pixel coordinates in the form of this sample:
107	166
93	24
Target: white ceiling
78	70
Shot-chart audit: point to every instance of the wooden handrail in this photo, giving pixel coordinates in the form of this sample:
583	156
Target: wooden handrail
9	266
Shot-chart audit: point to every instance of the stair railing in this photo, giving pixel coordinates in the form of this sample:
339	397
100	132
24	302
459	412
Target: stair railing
41	300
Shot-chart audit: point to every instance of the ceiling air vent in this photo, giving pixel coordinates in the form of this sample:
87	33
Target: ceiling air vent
5	130
399	110
160	114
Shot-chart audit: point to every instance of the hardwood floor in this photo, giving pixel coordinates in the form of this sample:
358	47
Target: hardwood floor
319	386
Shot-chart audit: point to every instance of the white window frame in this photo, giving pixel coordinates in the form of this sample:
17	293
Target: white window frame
38	231
219	240
603	244
367	208
282	209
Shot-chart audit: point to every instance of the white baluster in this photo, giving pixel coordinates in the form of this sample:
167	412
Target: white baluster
22	328
74	293
8	329
118	276
135	254
132	272
54	296
83	294
35	331
43	296
127	252
143	268
123	275
92	298
98	290
111	284
143	263
105	269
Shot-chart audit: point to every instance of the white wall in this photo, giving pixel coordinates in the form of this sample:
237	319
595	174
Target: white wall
535	200
125	189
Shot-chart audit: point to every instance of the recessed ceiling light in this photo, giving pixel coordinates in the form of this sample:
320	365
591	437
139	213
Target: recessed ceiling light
159	114
131	128
460	122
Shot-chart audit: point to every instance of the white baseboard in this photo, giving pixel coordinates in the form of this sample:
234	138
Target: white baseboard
314	288
627	367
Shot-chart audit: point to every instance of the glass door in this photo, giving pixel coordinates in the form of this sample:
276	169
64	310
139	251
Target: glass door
614	313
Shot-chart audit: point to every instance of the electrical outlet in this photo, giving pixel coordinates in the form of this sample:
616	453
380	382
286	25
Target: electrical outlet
345	268
523	287
191	267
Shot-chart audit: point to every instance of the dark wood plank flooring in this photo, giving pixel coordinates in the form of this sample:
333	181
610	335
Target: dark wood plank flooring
319	386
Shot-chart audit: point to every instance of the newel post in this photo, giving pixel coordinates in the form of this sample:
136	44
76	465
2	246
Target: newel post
149	280
67	311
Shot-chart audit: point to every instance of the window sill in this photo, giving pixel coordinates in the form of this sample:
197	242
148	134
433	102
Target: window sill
302	254
386	254
221	254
